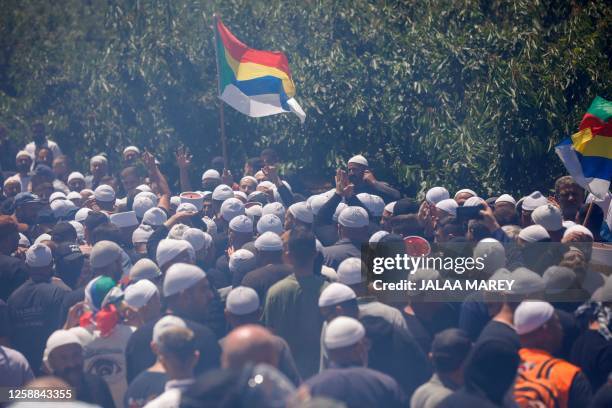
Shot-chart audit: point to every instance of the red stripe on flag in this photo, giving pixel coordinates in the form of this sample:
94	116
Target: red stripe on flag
598	127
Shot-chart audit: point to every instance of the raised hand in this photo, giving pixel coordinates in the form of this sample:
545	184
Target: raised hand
183	157
227	178
368	177
149	160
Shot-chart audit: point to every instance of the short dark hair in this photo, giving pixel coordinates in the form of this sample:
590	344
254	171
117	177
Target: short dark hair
301	244
406	224
63	232
107	232
95	218
406	206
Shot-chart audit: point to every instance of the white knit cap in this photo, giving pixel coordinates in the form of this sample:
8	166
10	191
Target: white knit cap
578	228
104	253
568	223
56	195
61	207
23	153
266	185
253	210
57	339
373	203
168	249
211	174
339	209
73	195
124	219
335	293
269	241
75	175
42	237
80	230
527	282
531	315
533	233
390	207
138	294
466	190
241	223
436	194
242	300
144	269
505	198
350	271
316	202
301	211
23	240
165	323
142	204
549	216
141	234
143	188
131	149
533	201
154	216
98	159
448	205
558	278
81	215
359	159
274	208
222	192
104	193
186	207
180	277
232	207
242	261
353	217
492	253
343	331
38	255
240	195
249	178
473	202
175	201
270	222
377	236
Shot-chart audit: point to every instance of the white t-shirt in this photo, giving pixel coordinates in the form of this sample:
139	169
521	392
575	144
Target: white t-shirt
171	397
55	149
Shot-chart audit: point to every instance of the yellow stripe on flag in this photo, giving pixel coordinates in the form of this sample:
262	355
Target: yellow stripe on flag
251	70
588	145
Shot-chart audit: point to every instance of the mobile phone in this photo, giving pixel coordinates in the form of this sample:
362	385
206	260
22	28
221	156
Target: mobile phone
470	213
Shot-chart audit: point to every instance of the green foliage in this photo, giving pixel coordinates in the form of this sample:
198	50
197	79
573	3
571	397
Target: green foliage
463	93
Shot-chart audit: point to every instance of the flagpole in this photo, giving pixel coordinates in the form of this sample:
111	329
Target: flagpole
588	214
221	112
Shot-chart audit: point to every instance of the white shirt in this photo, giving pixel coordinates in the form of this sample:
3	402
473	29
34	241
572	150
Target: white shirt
55	149
171	397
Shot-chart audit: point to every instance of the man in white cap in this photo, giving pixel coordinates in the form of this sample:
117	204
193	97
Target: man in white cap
298	214
297	295
130	155
105	197
187	295
145	269
541	335
143	297
76	181
529	204
34	307
363	180
210	179
140	237
353	225
248	184
549	216
270	222
202	244
98	166
172	251
349	381
23	164
63	358
464	194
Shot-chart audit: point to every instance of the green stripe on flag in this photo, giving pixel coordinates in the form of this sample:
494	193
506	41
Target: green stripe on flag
601	108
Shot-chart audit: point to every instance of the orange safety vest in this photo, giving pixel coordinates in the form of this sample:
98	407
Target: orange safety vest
538	364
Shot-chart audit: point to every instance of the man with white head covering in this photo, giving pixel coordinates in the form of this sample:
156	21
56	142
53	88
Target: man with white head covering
210	179
145	269
35	306
130	155
353	225
187	295
23	164
76	181
98	166
171	251
140	237
350	381
248	184
464	194
298	214
143	296
270	222
549	216
63	358
529	204
363	180
537	323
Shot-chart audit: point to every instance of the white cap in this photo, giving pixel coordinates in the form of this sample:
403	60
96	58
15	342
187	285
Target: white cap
124	219
390	207
165	323
42	237
73	195
505	198
144	268
353	217
533	201
232	207
336	293
466	190
211	174
222	192
81	214
142	203
154	216
168	249
175	201
359	159
138	294
242	300
448	205
197	238
316	202
193	197
104	253
558	278
56	195
436	194
211	226
549	216
38	255
377	236
186	207
242	261
533	233
104	193
144	188
568	223
492	253
142	234
422	275
61	207
531	315
23	153
527	282
131	149
578	228
270	222
239	195
343	331
269	241
473	202
266	185
180	277
349	271
241	223
80	230
301	211
177	231
250	178
253	210
57	339
75	175
373	203
275	208
98	159
23	240
339	209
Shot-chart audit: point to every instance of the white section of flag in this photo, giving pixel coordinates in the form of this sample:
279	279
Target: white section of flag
599	187
259	105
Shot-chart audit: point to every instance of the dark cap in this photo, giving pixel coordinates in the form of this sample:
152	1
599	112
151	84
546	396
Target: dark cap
63	231
25	198
95	218
449	348
44	170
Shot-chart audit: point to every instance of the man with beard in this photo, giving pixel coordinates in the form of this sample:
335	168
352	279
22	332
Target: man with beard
363	179
23	163
570	197
63	358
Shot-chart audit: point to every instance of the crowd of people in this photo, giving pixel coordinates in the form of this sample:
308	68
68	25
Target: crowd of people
241	292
